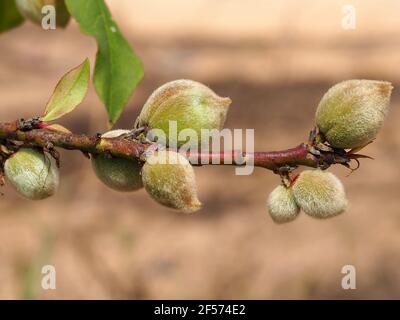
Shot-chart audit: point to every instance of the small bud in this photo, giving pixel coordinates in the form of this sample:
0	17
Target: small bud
351	113
170	180
320	194
32	10
117	173
114	133
32	174
281	205
189	103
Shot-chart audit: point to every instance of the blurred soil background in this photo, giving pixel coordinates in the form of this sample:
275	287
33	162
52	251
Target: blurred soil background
275	59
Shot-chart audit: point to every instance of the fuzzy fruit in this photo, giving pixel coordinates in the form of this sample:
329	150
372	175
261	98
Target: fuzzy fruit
351	113
281	205
117	173
32	174
32	10
189	103
170	180
320	194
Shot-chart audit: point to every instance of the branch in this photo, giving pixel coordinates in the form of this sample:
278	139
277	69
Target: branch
303	154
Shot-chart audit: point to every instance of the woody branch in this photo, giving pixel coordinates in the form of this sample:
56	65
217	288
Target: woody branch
133	149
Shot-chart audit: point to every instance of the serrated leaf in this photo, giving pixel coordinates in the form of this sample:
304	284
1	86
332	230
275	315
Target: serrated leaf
118	70
9	15
69	92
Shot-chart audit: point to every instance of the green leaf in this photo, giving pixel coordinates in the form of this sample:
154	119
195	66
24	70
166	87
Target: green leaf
118	70
9	15
58	127
62	16
69	92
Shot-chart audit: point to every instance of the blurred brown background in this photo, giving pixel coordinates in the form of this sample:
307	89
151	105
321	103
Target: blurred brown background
275	59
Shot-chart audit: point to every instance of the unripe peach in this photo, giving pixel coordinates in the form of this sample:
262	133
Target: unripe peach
281	205
117	173
320	194
32	174
170	180
351	113
189	103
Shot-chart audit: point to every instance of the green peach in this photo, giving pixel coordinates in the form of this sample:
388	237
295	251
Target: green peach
189	103
352	112
170	180
119	174
282	205
32	174
320	194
